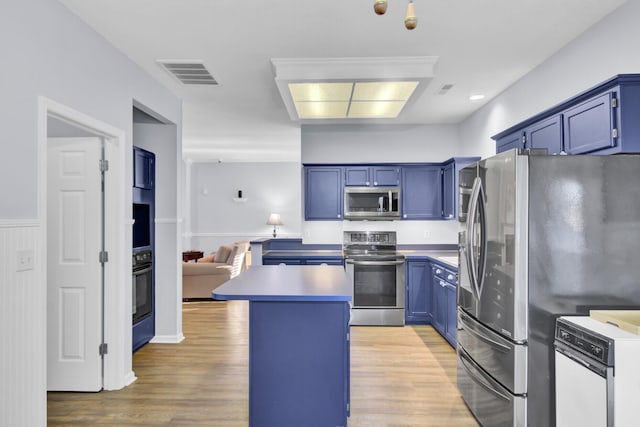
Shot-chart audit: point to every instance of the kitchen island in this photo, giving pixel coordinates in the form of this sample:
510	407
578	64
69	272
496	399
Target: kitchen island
298	343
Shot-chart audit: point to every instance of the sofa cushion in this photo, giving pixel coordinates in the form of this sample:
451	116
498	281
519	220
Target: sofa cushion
223	253
208	258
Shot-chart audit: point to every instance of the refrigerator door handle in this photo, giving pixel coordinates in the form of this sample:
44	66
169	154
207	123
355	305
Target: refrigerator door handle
471	237
477	377
482	219
495	344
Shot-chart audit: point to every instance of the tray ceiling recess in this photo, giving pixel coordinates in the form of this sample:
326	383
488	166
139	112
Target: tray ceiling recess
188	72
342	90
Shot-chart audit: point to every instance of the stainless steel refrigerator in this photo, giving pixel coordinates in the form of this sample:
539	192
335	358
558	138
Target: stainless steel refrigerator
540	236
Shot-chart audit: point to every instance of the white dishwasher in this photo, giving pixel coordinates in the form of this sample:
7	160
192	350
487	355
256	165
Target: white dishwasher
597	374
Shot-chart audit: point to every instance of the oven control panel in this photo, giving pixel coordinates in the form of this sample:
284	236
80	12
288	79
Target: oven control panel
142	257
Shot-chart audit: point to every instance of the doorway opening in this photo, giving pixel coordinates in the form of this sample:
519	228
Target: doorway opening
82	333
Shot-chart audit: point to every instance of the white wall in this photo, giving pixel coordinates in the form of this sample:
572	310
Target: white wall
608	48
217	219
48	51
379	143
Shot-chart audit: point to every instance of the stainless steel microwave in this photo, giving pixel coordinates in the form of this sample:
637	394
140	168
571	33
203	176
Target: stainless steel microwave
372	203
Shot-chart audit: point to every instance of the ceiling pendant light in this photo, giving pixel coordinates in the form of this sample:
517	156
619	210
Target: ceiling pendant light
380	6
411	21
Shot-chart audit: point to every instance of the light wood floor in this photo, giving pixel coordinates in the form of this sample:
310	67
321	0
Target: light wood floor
399	377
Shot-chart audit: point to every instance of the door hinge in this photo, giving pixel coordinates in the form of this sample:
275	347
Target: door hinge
104	165
524	140
614	102
348	337
614	133
103	349
103	257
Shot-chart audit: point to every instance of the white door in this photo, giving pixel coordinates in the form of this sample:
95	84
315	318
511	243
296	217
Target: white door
74	270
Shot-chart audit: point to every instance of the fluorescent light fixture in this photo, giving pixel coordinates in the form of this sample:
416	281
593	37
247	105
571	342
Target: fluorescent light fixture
351	99
351	90
476	97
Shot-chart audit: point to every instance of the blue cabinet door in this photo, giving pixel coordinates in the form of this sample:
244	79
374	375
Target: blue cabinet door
372	176
357	176
438	308
590	125
510	141
448	192
143	168
323	193
386	176
421	192
545	134
450	325
418	292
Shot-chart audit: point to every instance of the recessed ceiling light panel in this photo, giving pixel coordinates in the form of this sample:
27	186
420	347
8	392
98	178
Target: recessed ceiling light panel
375	109
351	88
320	91
383	91
322	110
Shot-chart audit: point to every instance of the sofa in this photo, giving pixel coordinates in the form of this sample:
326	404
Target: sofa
203	276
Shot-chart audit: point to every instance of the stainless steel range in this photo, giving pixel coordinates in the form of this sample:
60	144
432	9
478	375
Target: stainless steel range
377	276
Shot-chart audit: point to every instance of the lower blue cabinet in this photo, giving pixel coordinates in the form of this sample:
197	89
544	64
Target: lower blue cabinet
418	292
301	261
443	308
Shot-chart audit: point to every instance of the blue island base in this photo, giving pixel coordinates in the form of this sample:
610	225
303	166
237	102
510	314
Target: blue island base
298	363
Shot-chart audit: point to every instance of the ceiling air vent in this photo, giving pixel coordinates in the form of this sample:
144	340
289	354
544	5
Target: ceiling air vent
189	72
445	88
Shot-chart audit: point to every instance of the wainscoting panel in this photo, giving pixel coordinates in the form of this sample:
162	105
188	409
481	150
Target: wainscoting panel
23	400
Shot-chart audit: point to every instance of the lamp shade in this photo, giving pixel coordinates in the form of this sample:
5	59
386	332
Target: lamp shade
274	219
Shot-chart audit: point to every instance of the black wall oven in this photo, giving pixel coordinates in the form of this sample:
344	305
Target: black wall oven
142	286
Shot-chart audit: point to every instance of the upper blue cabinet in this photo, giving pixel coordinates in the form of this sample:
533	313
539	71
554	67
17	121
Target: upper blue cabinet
421	195
601	120
323	193
143	168
372	176
450	173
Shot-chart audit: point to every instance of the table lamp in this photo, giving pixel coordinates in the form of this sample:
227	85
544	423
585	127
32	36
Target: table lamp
274	219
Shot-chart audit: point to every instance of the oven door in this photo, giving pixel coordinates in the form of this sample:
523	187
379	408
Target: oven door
377	291
142	298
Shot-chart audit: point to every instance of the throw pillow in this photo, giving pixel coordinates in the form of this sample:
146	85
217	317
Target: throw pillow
222	254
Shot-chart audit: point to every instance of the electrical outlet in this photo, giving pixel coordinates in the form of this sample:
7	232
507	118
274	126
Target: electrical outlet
24	260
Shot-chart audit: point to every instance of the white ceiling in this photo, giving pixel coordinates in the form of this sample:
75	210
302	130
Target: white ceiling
483	46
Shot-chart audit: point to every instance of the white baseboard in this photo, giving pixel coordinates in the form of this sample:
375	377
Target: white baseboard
167	339
129	378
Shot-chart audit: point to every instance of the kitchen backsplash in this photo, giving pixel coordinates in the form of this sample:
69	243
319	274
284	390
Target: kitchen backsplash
408	232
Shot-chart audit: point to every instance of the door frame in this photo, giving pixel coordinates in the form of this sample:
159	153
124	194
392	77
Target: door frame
117	371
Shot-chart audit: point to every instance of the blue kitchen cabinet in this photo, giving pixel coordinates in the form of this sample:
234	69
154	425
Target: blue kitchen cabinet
451	315
143	169
372	176
590	126
513	140
421	192
601	120
450	172
302	260
418	292
443	308
448	192
545	134
278	261
323	193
